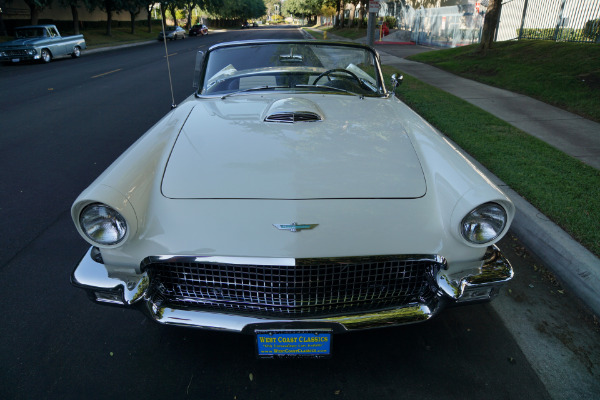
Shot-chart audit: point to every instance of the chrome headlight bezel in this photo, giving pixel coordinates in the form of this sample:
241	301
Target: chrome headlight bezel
484	224
103	225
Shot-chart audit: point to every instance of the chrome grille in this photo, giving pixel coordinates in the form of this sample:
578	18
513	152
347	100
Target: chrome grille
11	53
291	117
311	287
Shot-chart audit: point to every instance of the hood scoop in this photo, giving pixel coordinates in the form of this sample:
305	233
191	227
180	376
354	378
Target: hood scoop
293	110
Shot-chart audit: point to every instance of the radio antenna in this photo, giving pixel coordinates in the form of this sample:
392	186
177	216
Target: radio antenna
162	19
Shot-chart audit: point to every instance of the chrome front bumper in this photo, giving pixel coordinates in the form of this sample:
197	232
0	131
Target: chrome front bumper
132	290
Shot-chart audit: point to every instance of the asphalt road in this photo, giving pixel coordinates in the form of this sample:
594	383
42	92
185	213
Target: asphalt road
61	125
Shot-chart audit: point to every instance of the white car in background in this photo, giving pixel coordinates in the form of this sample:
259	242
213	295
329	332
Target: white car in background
292	197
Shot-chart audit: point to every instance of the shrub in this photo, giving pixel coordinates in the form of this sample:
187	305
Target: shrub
592	29
391	21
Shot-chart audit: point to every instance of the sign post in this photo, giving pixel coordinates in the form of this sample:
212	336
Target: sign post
373	10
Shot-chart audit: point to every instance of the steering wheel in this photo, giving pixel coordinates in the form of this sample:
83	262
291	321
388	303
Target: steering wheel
341	70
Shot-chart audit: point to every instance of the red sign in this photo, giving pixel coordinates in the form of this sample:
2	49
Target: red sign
374	6
477	6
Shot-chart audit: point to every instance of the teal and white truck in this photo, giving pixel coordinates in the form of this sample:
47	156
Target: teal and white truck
40	42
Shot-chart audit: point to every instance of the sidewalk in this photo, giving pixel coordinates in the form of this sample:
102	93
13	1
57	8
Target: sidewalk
575	266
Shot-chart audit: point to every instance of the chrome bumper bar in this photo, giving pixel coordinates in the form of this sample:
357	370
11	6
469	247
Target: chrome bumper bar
132	290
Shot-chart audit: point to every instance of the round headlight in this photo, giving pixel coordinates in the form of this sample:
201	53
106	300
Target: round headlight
484	224
102	224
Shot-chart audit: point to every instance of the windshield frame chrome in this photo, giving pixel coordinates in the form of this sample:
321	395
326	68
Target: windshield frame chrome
381	92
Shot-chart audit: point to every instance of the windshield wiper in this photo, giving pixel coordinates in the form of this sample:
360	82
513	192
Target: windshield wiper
252	89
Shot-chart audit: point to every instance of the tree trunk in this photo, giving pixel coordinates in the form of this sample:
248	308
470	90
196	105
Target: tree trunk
108	21
75	14
189	16
3	31
35	14
163	12
132	15
490	23
149	9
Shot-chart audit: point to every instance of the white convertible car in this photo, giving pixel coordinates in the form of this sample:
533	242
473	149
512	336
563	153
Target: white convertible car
292	197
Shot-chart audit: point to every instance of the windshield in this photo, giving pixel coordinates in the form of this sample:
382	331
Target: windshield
293	66
29	33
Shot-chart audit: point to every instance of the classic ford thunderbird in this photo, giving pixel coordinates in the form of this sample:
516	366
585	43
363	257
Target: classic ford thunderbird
292	197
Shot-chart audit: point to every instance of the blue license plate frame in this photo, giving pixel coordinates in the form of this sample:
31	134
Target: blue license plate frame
294	343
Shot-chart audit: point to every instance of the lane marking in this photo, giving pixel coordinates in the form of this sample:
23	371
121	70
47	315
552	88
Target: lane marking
170	55
106	73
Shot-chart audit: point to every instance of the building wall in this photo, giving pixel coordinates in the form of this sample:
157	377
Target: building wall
18	9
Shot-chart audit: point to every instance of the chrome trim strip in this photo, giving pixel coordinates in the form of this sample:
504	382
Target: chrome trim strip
411	313
291	262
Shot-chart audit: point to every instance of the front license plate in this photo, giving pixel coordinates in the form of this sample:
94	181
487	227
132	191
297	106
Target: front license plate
294	343
16	60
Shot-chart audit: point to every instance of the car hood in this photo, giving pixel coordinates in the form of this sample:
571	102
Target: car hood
356	148
20	42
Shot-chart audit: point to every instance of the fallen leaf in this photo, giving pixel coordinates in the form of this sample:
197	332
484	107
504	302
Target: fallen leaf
251	376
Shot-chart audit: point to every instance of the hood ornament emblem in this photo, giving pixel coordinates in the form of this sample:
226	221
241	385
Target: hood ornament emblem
294	226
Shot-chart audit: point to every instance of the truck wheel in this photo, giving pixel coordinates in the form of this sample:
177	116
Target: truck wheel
46	56
76	52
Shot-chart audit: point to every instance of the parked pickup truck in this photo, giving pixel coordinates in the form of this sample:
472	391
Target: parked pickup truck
40	42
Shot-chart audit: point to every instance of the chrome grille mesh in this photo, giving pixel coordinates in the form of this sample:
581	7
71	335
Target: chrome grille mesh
15	52
312	287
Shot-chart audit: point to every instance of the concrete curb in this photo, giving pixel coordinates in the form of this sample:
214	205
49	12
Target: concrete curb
123	46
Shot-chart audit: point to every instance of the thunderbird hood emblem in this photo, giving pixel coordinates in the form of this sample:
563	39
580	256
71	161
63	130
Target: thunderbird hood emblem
294	226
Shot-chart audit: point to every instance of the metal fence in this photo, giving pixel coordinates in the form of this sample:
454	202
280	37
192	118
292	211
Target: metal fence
558	20
450	26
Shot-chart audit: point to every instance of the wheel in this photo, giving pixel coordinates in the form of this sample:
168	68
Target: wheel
339	70
46	56
76	52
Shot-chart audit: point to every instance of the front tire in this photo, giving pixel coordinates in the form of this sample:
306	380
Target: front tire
76	52
46	56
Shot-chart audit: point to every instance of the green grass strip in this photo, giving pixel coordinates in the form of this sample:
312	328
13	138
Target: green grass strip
560	186
566	75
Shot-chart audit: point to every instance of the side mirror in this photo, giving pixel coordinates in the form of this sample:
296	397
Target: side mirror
197	69
396	81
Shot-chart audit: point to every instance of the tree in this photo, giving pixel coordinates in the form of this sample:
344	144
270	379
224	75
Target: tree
149	7
2	26
134	7
74	6
35	7
108	6
490	24
303	8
